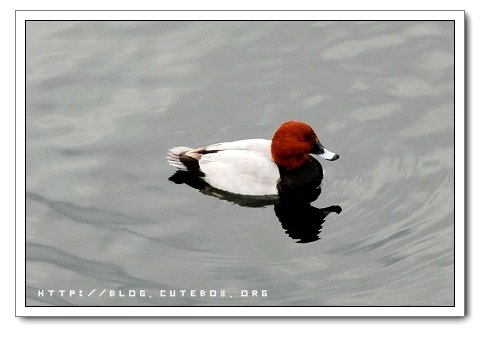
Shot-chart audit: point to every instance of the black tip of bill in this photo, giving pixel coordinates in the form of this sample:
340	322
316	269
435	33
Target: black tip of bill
335	157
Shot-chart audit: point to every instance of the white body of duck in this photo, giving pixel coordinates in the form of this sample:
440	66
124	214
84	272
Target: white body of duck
240	167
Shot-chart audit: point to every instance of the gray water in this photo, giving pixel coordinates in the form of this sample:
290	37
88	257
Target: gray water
106	100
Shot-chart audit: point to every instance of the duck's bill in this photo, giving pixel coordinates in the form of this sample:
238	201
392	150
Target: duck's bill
320	150
328	155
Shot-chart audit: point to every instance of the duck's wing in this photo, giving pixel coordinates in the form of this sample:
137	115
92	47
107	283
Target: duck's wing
241	167
240	171
262	146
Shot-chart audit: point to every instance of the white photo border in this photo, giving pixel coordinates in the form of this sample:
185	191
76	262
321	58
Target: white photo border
221	311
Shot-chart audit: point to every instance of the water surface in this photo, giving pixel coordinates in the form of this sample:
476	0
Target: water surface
106	100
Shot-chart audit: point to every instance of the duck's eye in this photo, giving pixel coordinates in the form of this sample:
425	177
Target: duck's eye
307	139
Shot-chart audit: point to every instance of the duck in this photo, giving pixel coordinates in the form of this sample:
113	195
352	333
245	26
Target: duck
283	166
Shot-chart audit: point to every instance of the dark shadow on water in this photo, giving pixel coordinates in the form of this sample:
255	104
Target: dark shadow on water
300	220
192	180
303	222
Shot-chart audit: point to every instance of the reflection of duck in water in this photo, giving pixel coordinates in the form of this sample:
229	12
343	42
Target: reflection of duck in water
258	170
303	222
